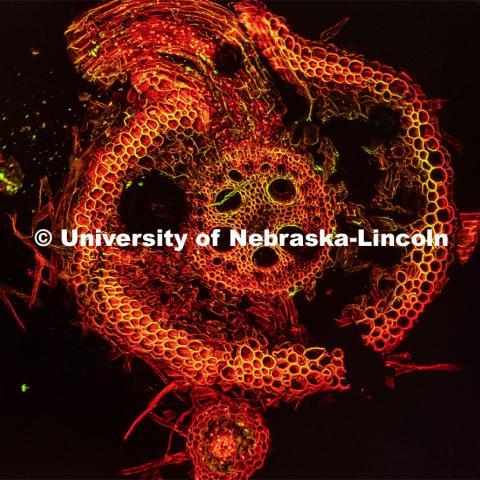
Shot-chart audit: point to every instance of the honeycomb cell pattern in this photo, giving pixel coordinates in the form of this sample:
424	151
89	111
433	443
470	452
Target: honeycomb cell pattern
198	110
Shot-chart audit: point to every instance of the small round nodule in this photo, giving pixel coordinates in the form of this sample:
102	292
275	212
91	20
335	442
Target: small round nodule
235	175
282	190
223	244
290	230
227	440
265	257
301	252
228	59
228	200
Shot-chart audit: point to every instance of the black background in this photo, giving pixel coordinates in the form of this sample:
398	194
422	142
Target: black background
69	424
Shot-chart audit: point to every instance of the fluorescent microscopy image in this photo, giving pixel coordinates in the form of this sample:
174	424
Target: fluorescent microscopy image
190	130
